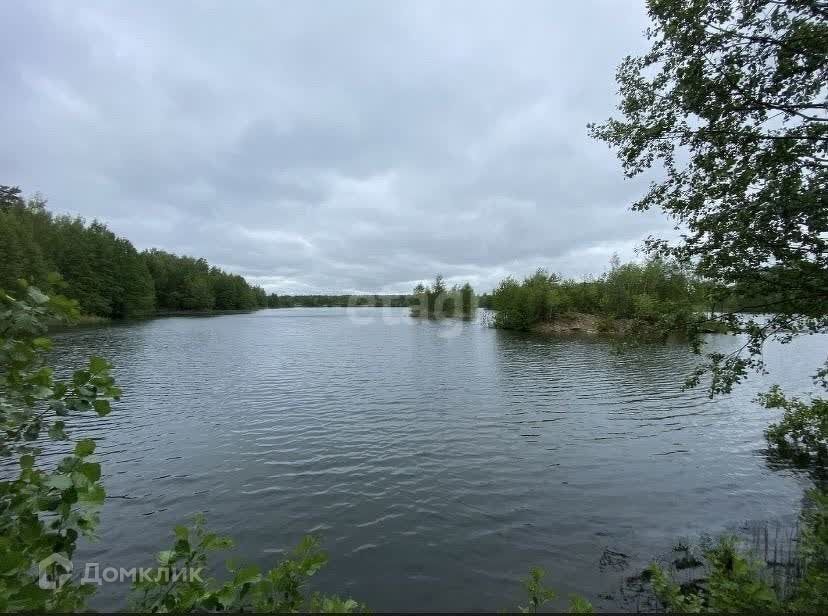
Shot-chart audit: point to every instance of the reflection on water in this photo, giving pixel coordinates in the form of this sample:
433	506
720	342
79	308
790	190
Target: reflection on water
437	462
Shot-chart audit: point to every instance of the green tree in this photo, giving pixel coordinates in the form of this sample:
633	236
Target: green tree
439	301
730	102
104	272
468	301
20	254
135	295
657	295
196	293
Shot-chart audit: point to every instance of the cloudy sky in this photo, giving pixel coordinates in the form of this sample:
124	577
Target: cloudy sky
329	146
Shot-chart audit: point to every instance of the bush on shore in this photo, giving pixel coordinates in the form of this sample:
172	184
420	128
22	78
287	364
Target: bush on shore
655	292
437	300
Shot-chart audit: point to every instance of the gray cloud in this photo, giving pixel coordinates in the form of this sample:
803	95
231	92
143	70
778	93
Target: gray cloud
320	147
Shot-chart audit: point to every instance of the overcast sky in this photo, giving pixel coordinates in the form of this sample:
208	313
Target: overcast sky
329	146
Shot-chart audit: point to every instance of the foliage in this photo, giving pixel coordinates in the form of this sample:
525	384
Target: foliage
802	433
44	510
20	253
540	595
484	300
184	283
279	590
654	292
104	272
811	595
735	581
437	300
730	100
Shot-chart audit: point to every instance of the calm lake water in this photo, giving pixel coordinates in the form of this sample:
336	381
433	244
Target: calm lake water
436	461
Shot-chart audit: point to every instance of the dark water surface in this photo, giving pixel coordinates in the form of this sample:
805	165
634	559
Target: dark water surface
437	462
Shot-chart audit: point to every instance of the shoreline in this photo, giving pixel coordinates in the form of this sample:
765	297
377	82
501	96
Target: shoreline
582	323
195	313
92	320
579	323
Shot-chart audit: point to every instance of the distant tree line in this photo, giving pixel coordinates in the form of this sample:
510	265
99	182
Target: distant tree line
438	300
104	272
320	301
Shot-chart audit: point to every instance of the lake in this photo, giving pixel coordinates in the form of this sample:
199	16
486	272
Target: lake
437	461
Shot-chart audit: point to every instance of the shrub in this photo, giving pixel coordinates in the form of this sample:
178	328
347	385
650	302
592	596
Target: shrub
802	433
656	293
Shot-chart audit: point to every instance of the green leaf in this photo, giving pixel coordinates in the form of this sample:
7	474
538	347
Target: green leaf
42	343
95	495
42	393
182	546
86	392
98	364
102	407
27	461
247	574
85	447
91	470
226	596
59	482
53	278
37	296
58	407
57	432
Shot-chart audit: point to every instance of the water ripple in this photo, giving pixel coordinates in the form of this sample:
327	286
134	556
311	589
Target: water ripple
426	462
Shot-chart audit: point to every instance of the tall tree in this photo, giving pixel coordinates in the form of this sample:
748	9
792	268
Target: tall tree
20	254
731	102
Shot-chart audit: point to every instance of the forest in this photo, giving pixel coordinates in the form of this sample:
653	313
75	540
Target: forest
104	272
